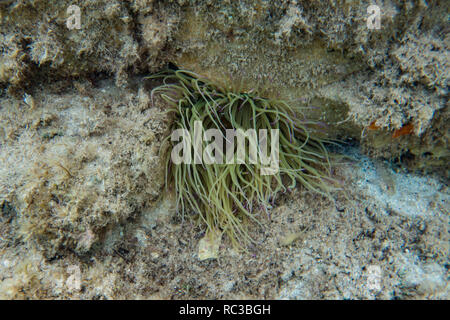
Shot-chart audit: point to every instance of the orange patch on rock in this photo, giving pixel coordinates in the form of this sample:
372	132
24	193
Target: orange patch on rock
406	129
373	126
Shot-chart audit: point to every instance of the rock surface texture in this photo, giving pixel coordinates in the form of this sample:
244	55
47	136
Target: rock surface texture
83	209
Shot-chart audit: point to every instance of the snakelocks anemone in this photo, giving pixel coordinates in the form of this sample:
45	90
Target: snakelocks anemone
226	194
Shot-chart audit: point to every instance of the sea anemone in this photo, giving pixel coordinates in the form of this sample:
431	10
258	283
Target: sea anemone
224	196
